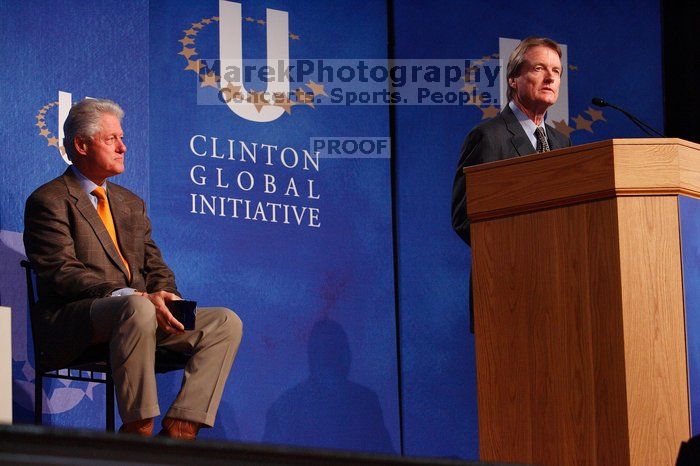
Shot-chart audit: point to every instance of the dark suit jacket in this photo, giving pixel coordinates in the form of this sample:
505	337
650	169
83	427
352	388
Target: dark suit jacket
76	261
500	138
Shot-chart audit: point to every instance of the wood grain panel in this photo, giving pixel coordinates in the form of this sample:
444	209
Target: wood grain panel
654	328
689	167
546	332
537	179
611	421
646	167
583	173
578	303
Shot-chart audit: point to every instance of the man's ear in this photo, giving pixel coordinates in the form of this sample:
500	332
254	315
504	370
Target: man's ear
80	145
511	83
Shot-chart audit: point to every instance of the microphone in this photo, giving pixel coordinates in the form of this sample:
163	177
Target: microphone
648	130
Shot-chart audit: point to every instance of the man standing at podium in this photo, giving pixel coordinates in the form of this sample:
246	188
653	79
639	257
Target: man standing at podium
102	279
534	75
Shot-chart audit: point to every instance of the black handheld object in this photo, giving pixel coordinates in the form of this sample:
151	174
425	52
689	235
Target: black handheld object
648	130
184	311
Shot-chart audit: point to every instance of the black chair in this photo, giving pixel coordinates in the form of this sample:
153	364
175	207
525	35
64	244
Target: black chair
91	366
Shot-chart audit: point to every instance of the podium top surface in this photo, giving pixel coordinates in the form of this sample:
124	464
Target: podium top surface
599	170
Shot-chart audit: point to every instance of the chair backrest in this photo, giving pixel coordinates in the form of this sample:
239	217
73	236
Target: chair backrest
32	296
32	299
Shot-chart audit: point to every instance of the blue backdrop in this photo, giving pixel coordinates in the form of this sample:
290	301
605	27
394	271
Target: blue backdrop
319	364
688	210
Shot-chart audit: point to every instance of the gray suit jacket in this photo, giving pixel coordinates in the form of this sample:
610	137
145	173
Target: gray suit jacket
76	261
500	138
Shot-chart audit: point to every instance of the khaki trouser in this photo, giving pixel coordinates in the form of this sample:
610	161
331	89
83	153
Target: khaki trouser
128	323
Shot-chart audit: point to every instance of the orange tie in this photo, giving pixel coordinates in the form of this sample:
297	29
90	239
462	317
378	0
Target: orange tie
106	215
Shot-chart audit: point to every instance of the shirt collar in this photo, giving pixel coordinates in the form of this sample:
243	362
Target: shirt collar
528	125
85	183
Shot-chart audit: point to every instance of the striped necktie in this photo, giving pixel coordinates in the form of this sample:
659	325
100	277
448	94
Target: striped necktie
542	143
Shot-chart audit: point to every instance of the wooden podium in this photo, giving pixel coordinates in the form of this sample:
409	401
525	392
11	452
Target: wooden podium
578	303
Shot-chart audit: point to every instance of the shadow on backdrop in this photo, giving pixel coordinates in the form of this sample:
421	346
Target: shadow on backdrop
328	410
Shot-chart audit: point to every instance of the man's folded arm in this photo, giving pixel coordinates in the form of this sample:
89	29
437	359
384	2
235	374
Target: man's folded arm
51	250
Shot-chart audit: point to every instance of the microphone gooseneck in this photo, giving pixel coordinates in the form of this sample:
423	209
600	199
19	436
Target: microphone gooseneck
648	130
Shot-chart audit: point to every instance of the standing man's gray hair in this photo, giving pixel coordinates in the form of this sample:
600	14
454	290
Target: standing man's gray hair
518	57
83	121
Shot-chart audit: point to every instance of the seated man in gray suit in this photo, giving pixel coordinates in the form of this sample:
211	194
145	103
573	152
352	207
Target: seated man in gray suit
534	75
102	279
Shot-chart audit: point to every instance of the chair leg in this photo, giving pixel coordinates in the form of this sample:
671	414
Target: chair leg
38	398
109	403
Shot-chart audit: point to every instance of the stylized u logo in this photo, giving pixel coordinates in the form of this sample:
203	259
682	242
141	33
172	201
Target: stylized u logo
231	55
65	102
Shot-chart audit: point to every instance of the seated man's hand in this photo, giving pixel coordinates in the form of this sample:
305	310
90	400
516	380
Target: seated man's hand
166	321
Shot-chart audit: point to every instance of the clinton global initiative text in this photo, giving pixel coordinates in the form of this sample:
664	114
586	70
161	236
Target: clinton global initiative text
272	193
260	211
